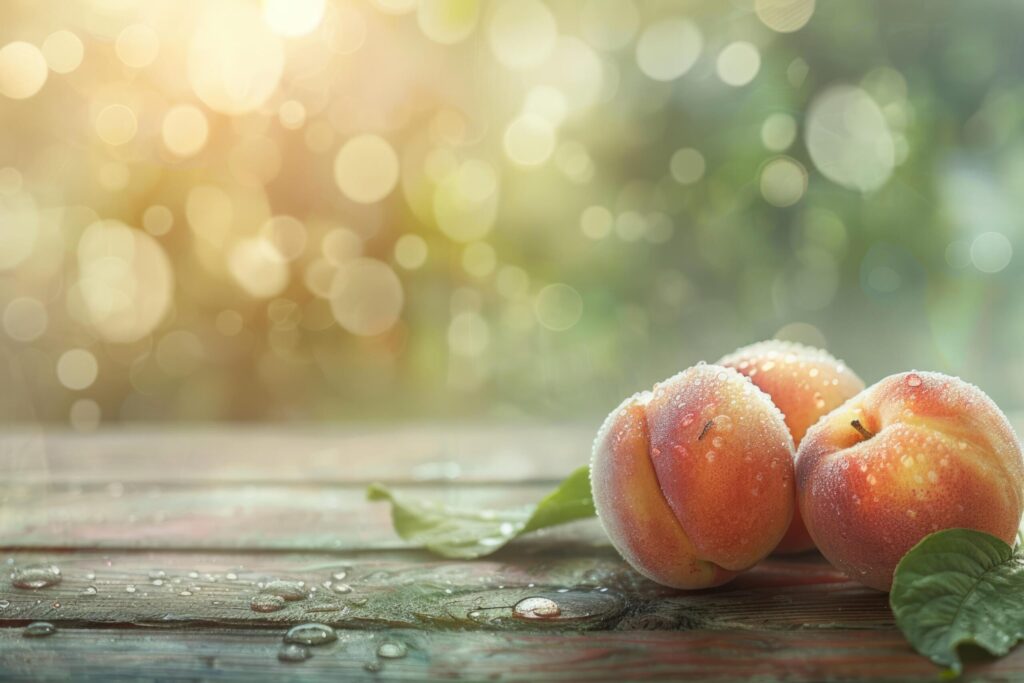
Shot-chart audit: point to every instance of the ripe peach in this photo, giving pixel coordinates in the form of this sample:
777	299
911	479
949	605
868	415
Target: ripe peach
693	480
805	383
915	453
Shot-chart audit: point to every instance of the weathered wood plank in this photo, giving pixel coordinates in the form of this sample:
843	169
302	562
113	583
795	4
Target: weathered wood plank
240	453
594	588
288	516
250	655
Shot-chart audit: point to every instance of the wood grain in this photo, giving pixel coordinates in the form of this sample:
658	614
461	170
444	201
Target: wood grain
250	655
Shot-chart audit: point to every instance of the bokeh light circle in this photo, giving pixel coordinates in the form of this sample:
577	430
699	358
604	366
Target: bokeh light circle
783	181
366	169
558	307
848	139
991	252
529	140
23	70
522	33
25	319
447	21
125	281
366	297
784	16
234	60
738	63
63	51
184	130
668	49
293	17
77	369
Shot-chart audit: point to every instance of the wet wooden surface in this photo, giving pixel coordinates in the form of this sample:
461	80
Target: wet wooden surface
163	538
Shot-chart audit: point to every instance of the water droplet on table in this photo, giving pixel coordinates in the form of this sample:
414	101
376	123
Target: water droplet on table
391	650
266	603
310	634
287	590
537	608
39	629
89	590
293	652
339	575
129	588
4	604
36	576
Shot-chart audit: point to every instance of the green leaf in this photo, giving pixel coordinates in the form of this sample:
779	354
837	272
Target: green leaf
956	587
464	533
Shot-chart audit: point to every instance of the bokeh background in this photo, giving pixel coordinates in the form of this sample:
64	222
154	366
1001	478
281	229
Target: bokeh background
342	210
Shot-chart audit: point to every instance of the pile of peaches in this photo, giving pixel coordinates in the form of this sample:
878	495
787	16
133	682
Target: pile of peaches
779	448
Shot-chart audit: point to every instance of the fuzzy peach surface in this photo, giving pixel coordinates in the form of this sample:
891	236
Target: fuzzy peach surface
935	453
694	481
804	383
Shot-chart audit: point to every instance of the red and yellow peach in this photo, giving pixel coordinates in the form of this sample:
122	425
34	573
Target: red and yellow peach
693	481
915	453
805	383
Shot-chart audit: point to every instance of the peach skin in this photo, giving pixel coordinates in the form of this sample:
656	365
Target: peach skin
805	383
693	480
916	453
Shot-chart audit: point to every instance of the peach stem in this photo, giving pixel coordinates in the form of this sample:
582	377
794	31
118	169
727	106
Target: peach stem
860	429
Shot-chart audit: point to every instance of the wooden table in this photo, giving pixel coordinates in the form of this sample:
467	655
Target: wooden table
176	529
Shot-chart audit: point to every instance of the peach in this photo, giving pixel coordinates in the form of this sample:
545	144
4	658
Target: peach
693	480
805	383
916	453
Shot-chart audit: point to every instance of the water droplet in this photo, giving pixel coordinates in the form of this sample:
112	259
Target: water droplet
341	588
339	575
768	365
688	419
913	380
537	608
293	652
39	629
710	455
158	582
310	634
193	575
231	576
872	480
89	590
391	650
723	423
129	588
819	401
4	604
158	574
932	476
266	603
36	576
90	576
911	513
288	590
717	442
185	594
813	372
372	667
